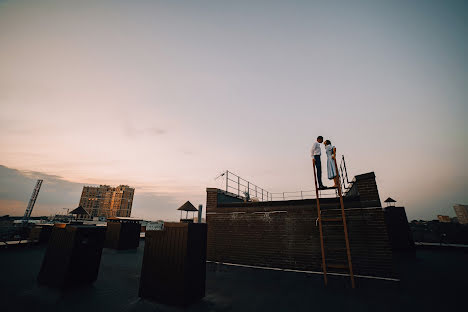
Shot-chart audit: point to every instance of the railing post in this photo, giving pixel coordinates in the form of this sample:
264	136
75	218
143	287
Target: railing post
227	180
265	194
283	195
302	197
341	175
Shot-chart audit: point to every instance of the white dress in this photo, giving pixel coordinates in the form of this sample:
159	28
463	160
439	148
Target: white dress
330	162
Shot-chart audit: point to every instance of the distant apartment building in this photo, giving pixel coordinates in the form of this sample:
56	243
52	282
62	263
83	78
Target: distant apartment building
107	201
444	219
462	213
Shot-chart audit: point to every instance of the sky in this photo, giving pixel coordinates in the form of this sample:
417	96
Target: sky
165	95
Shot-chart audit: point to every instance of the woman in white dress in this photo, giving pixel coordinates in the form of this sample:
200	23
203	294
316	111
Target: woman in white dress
331	155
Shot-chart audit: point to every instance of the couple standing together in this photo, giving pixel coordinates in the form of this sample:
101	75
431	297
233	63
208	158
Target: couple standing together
331	155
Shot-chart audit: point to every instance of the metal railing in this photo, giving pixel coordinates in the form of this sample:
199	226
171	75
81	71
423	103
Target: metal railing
343	174
307	194
247	190
345	184
243	188
293	195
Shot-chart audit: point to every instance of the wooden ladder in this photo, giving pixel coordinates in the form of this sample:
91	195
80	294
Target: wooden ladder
342	219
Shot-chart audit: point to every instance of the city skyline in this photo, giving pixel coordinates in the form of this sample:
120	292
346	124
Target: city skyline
57	195
164	96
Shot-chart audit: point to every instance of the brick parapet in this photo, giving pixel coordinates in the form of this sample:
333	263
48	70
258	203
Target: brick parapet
289	238
284	234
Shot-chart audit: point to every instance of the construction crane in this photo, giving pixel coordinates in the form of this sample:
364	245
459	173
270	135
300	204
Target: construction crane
32	201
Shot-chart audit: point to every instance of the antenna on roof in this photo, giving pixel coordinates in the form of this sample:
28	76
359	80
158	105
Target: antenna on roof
220	175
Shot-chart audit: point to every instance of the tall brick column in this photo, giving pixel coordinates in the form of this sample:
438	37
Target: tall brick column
211	199
366	187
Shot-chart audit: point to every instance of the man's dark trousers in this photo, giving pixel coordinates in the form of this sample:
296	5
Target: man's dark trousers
318	164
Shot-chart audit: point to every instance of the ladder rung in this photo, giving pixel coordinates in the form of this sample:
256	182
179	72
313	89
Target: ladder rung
329	188
338	266
330	219
335	249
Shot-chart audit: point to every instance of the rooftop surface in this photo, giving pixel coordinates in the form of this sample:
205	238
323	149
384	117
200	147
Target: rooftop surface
432	279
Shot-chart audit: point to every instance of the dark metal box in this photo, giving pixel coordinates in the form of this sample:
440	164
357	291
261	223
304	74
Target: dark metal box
41	233
174	264
73	256
122	233
399	232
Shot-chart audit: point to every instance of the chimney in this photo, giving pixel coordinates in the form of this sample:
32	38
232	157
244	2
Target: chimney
200	208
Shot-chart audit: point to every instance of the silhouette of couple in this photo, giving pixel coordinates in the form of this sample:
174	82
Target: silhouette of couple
331	155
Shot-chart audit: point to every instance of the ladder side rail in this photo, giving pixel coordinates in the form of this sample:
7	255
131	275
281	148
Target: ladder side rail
341	174
346	169
345	229
324	267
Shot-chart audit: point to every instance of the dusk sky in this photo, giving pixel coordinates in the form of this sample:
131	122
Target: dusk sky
165	95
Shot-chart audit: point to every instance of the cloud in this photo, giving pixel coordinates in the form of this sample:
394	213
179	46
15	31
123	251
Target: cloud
156	131
150	131
56	193
11	207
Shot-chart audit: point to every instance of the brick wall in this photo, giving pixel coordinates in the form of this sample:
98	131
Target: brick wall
365	186
283	234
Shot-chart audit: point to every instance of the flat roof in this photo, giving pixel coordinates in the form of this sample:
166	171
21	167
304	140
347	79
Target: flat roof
430	279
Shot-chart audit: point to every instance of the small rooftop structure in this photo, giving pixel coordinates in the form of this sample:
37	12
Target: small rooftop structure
174	264
390	202
79	212
123	233
187	207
